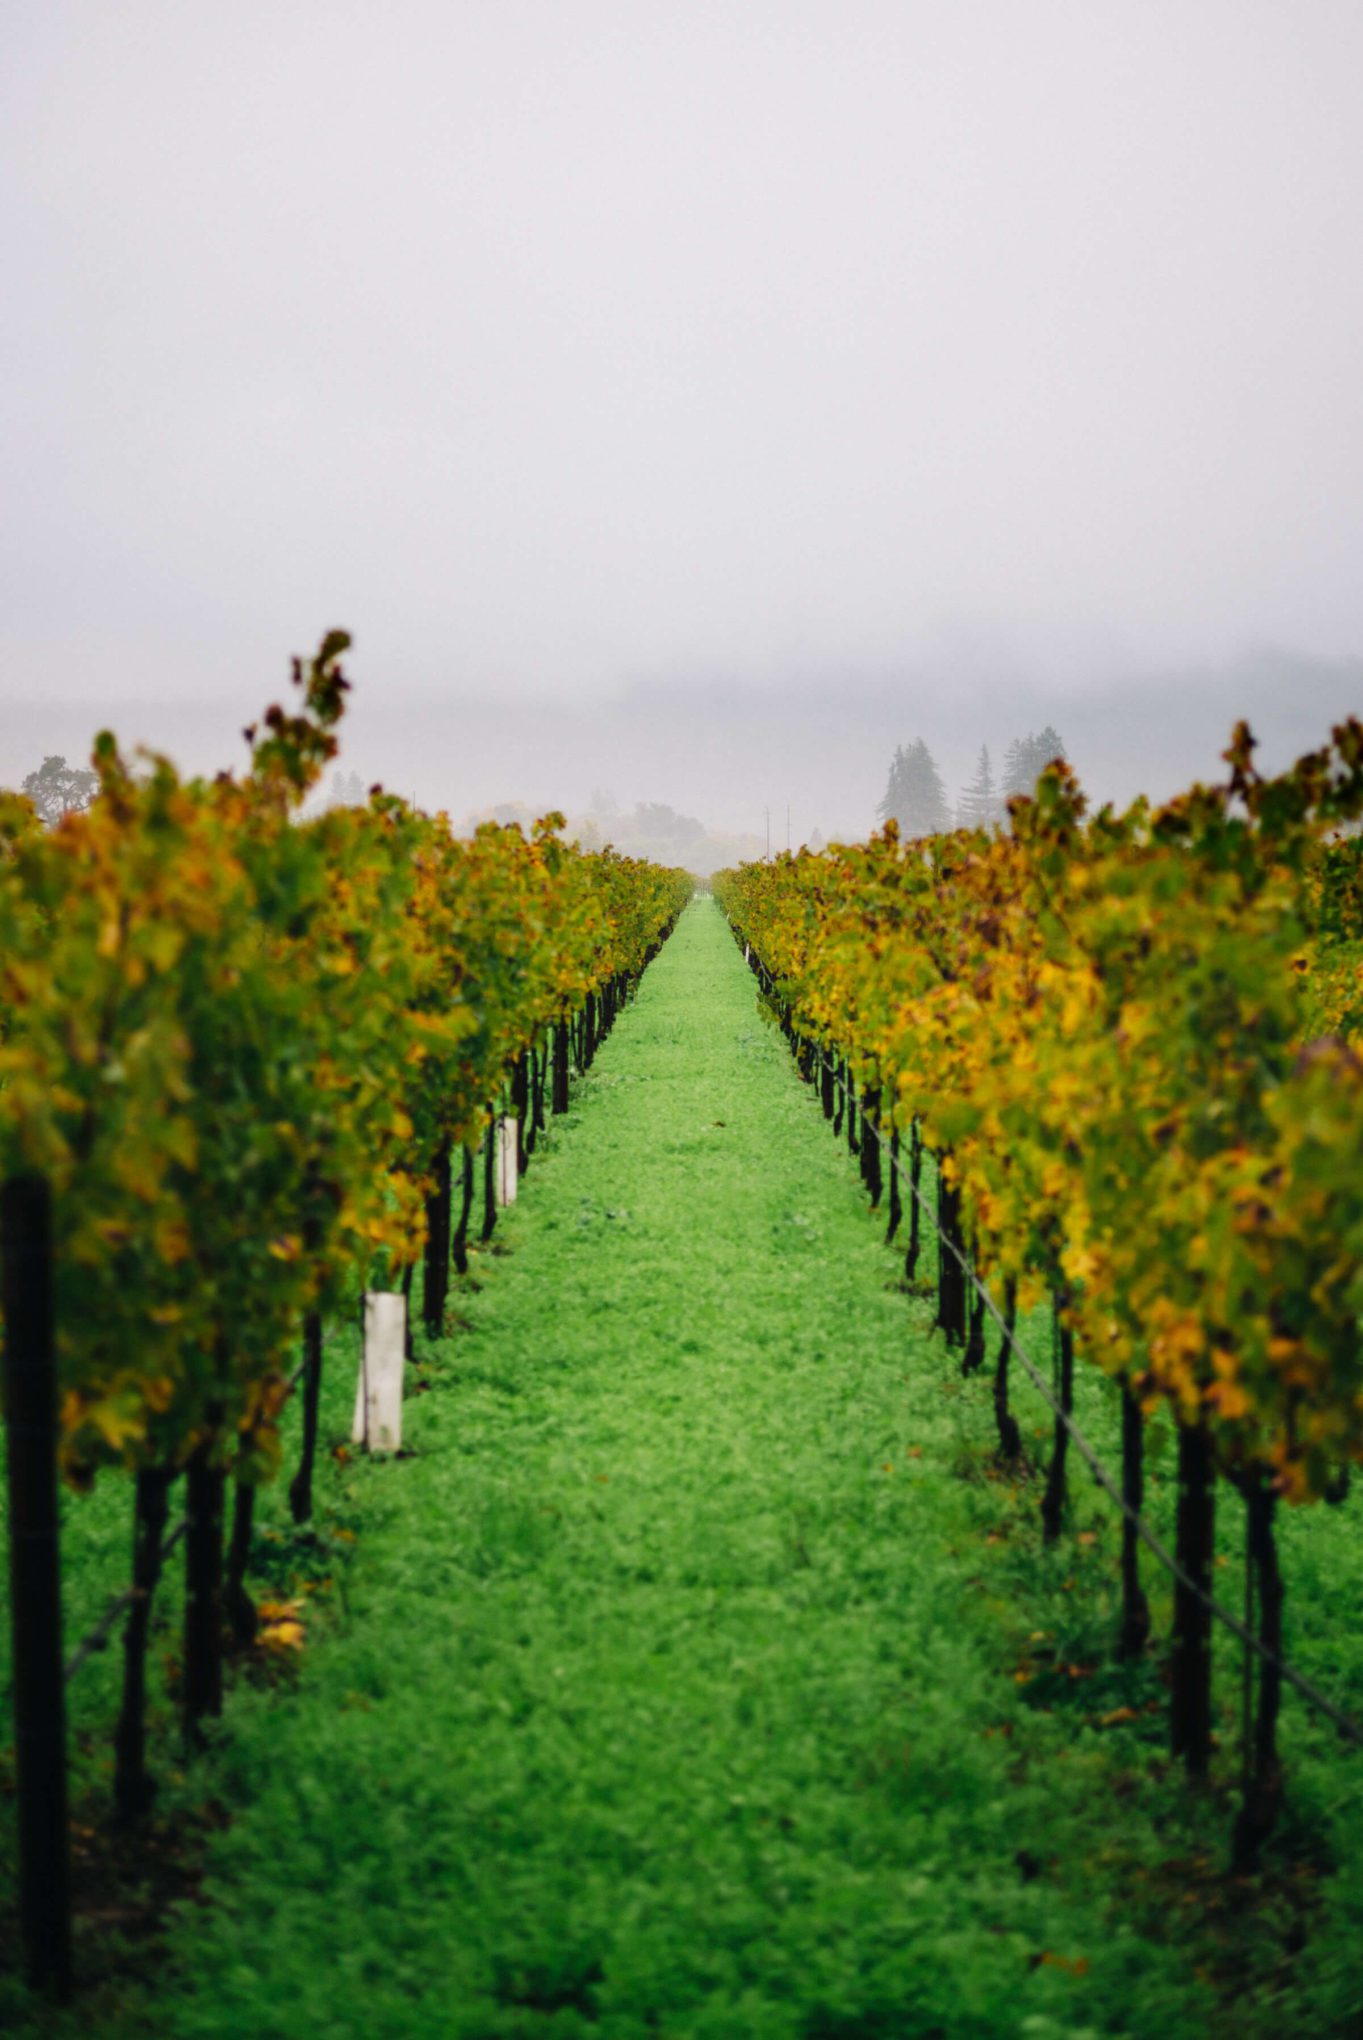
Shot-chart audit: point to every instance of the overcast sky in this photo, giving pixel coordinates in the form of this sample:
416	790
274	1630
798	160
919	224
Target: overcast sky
998	352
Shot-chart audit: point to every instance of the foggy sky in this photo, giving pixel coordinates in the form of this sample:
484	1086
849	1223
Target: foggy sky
657	374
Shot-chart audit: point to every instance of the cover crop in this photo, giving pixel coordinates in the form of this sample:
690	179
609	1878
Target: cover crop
1131	1039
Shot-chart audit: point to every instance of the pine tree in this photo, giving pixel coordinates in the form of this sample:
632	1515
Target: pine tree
1049	746
894	788
980	806
915	796
1016	766
346	790
1027	758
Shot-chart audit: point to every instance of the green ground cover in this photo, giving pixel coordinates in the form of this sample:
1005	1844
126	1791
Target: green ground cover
697	1675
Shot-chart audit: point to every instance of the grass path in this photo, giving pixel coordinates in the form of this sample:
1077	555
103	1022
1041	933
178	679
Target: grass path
673	1692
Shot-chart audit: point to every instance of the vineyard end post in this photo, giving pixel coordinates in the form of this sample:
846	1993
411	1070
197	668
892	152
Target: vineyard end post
39	1692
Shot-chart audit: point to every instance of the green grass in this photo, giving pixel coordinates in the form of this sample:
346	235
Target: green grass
698	1676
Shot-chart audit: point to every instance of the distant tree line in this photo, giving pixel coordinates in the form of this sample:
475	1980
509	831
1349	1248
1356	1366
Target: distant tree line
916	797
58	789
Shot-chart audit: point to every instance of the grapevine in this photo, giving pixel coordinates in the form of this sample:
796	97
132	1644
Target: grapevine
1131	1040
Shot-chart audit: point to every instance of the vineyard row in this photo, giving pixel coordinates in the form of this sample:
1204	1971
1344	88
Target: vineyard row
244	1055
1126	1043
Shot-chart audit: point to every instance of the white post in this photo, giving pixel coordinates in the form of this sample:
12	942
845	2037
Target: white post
508	1174
378	1392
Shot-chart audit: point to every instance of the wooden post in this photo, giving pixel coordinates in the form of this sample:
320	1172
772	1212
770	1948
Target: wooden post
204	1488
915	1209
1190	1698
560	1099
1010	1437
436	1272
871	1171
520	1108
541	1087
1262	1771
300	1488
1054	1500
1135	1629
896	1198
241	1609
972	1360
459	1243
951	1287
35	1574
408	1277
133	1790
489	1179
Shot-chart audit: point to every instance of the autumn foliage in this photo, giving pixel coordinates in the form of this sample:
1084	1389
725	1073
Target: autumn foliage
236	1040
1134	1040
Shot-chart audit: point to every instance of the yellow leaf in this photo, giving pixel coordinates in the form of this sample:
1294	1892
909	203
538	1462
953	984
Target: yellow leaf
285	1635
115	1421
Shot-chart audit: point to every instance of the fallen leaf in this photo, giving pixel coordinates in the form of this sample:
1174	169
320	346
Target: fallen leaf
1075	1965
282	1636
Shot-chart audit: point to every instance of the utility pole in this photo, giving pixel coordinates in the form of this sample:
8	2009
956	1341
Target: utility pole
787	828
767	858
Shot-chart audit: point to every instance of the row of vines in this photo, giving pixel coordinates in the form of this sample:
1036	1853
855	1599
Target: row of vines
1127	1045
243	1053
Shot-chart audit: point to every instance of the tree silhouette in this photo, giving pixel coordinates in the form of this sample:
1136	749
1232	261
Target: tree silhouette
58	789
915	796
346	790
980	806
1027	758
